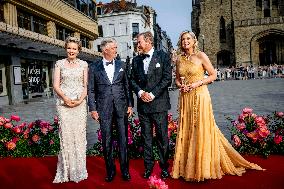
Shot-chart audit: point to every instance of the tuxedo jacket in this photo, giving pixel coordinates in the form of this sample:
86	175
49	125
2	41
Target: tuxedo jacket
157	80
104	95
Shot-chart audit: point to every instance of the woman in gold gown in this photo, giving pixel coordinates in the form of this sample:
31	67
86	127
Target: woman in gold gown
202	151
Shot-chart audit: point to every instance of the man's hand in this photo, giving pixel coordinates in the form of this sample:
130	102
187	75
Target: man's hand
145	96
129	111
95	116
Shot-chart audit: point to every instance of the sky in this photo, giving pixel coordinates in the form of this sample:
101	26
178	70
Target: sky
173	16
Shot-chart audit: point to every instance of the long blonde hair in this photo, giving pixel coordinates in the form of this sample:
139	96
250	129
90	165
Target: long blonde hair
180	50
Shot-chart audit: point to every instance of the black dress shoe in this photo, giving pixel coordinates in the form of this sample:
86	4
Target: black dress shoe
165	174
110	177
126	177
147	173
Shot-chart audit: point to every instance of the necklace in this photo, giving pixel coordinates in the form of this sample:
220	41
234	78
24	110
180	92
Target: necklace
72	62
187	57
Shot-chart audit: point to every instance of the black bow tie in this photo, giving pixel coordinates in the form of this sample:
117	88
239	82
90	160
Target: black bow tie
108	63
145	56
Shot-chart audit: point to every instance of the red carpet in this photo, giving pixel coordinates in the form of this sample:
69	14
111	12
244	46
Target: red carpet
39	173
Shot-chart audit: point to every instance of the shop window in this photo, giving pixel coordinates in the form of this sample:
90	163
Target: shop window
135	29
3	87
99	48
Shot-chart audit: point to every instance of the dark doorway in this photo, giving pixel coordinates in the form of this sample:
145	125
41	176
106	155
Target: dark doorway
271	49
224	59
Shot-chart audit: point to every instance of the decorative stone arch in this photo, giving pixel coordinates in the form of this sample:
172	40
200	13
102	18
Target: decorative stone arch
274	35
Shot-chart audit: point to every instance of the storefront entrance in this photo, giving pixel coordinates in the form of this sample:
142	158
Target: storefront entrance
36	78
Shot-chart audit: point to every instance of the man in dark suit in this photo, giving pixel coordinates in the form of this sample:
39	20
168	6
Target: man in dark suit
109	103
151	76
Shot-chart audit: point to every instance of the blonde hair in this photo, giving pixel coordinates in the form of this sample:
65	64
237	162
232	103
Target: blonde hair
180	50
76	40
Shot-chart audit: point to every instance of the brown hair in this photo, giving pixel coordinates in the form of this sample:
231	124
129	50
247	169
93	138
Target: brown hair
148	36
195	48
71	39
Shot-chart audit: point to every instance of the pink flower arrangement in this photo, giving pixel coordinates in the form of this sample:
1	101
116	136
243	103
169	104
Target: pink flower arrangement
156	183
37	138
255	134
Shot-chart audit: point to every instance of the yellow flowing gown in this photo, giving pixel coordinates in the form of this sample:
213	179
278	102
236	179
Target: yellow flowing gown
202	151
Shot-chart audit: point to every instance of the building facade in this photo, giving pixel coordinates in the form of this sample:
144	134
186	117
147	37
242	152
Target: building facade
32	35
240	33
123	20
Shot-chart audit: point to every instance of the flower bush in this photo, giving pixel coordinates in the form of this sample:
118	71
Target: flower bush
261	135
156	183
135	141
38	138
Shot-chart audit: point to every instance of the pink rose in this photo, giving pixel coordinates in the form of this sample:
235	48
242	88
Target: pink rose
11	145
35	138
2	120
44	130
17	130
263	132
8	125
247	110
277	139
241	118
136	121
241	126
99	135
253	136
15	118
55	119
260	121
237	140
51	142
280	114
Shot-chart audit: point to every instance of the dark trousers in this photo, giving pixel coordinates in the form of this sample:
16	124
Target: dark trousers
160	120
106	125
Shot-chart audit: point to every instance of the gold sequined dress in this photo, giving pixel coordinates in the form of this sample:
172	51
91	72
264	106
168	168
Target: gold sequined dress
202	151
71	163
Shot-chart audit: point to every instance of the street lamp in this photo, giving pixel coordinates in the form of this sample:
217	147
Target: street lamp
202	37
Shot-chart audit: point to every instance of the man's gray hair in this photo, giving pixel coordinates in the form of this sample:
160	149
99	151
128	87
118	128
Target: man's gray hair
107	41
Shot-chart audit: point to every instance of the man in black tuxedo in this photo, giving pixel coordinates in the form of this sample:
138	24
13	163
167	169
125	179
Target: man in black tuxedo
109	103
151	76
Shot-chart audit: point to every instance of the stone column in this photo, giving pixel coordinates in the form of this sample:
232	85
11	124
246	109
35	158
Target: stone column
77	34
51	29
16	90
91	45
10	14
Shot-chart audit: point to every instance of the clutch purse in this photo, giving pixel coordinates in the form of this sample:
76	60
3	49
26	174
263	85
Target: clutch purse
72	98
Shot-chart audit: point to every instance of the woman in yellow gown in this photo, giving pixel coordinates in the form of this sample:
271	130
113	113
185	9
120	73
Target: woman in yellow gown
202	151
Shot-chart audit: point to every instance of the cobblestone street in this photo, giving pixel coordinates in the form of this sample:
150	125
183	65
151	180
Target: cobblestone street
228	99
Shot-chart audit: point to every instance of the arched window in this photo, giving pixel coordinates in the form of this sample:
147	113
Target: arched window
222	34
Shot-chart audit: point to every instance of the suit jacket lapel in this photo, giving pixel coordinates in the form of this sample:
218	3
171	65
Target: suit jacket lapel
152	64
117	65
103	71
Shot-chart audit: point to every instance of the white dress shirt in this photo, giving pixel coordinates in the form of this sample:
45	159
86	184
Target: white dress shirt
109	69
146	62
